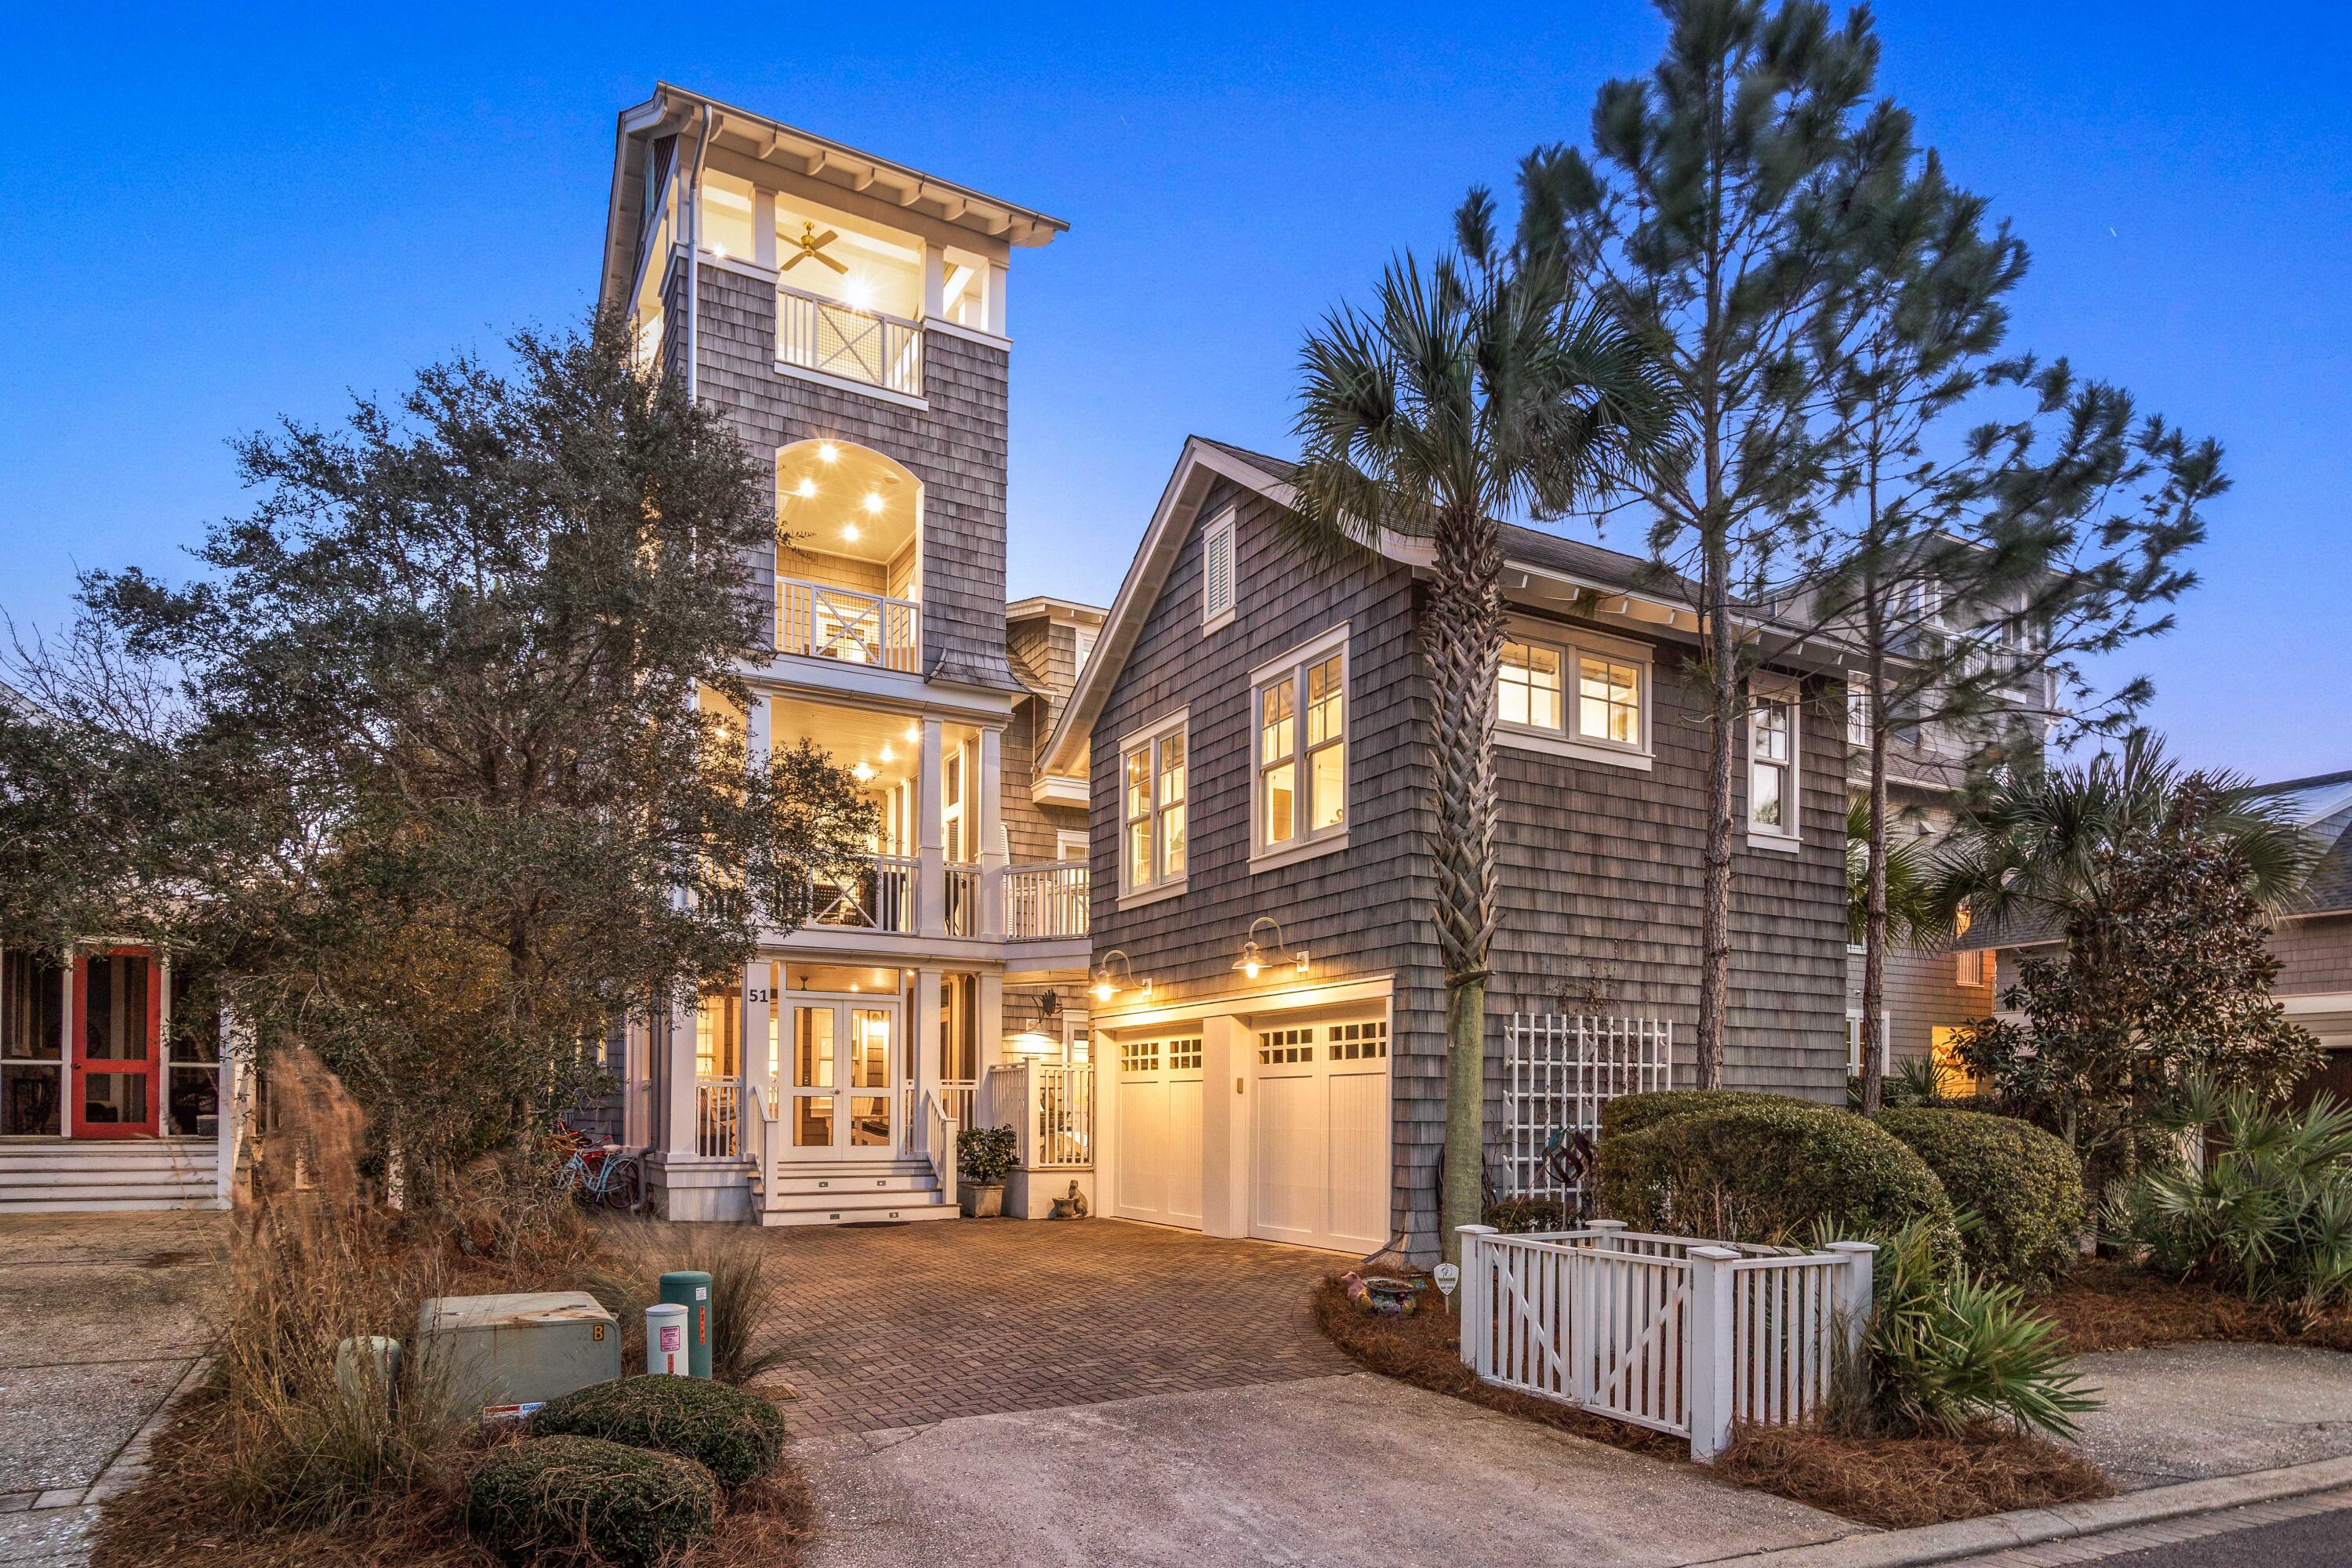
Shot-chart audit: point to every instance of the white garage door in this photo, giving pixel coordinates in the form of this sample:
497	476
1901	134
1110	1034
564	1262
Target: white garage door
1319	1162
1159	1141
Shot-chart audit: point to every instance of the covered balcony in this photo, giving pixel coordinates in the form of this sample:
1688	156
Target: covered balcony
849	565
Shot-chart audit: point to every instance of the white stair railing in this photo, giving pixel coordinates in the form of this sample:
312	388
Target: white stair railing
940	1131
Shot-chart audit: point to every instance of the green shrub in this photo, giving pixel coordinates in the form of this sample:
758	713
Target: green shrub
2024	1187
2271	1212
1945	1351
1777	1172
985	1155
1527	1216
1633	1112
733	1435
579	1500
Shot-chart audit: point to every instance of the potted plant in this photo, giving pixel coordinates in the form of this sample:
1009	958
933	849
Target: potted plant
984	1159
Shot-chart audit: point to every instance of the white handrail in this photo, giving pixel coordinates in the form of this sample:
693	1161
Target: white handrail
1044	901
871	346
940	1136
823	620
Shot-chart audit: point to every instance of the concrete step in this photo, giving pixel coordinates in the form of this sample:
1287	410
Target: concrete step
862	1184
861	1212
52	1204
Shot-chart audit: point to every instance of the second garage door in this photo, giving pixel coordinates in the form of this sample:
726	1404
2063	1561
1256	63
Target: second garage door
1319	1155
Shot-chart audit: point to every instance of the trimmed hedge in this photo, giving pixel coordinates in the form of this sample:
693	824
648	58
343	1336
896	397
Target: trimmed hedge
1528	1216
579	1500
2024	1186
736	1437
1631	1113
1773	1173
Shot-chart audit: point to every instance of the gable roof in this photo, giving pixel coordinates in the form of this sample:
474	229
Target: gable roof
1537	567
2323	806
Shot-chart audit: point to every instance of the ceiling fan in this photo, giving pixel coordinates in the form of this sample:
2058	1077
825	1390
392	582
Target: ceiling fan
812	244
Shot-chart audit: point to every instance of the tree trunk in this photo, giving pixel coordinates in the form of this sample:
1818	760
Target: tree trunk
1723	728
1874	939
1462	643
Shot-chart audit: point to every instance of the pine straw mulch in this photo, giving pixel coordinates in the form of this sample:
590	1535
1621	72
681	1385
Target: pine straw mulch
2109	1305
766	1524
1890	1482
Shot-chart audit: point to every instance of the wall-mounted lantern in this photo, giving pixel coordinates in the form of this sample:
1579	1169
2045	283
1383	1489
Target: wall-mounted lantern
1255	960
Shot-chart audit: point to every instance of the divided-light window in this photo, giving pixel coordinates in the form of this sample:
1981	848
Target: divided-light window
1579	693
1772	806
1153	795
1300	752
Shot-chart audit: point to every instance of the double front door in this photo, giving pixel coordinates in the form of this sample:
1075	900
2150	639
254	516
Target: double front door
842	1074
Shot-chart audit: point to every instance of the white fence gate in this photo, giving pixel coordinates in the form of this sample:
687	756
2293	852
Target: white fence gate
1559	1070
1664	1332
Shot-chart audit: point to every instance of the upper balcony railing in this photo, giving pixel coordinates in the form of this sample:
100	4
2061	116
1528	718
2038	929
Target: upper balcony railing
875	895
824	622
825	335
1045	901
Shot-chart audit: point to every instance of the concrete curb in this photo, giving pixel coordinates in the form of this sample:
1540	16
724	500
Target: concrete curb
2033	1526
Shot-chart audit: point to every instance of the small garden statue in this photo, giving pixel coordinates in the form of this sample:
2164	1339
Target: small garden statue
1072	1207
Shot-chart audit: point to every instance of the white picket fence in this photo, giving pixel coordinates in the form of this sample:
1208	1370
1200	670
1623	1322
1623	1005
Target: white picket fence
1665	1331
1559	1070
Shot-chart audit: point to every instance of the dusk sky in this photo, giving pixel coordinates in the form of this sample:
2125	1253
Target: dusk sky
206	223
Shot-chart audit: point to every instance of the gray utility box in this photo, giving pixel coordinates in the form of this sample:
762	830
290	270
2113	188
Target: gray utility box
515	1349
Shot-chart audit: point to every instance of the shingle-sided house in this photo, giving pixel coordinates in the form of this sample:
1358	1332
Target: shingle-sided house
847	316
1269	1007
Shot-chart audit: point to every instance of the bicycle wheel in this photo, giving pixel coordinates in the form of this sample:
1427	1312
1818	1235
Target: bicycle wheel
622	1187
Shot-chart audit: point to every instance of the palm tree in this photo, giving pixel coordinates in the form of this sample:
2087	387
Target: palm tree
1913	915
1485	388
2034	849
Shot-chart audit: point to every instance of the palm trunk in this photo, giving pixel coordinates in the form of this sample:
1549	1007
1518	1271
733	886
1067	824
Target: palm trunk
1874	939
1715	916
1462	643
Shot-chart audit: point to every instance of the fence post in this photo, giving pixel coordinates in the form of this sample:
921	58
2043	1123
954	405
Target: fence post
1609	1230
1709	1363
1855	1280
1477	1327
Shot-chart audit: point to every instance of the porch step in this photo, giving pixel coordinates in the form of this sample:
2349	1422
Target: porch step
863	1212
103	1176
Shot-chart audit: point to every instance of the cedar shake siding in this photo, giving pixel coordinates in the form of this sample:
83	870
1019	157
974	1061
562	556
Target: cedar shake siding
956	446
1600	866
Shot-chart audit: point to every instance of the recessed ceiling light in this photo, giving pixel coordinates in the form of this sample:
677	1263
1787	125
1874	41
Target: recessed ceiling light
828	453
915	734
889	755
862	773
849	531
873	500
807	487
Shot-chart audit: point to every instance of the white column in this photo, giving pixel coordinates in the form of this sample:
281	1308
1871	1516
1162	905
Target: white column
987	808
935	280
930	877
1226	1048
991	1004
677	1083
763	228
1710	1368
996	317
759	1067
923	1036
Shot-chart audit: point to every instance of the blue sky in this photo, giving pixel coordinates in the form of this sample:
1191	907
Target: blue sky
207	221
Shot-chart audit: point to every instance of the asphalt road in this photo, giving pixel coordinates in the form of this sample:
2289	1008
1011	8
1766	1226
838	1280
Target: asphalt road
2316	1540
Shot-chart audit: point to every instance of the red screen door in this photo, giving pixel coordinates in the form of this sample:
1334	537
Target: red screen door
118	1015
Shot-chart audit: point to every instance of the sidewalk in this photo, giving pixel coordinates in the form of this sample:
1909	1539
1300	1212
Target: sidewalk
104	1324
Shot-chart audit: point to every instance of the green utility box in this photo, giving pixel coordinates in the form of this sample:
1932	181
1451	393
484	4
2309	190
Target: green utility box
518	1349
690	1289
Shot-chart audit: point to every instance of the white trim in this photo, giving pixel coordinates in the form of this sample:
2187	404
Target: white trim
1778	842
1779	691
1147	739
1291	667
1245	1005
1063	839
1215	534
849	383
1527	738
751	269
1853	1041
1054	789
970	334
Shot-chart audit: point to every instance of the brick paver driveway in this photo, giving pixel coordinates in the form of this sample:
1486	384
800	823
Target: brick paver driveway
905	1325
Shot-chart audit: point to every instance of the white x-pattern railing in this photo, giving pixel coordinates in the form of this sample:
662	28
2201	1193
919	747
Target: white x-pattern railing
820	620
835	339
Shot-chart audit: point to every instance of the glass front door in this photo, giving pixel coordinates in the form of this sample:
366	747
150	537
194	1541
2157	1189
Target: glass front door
117	1039
840	1080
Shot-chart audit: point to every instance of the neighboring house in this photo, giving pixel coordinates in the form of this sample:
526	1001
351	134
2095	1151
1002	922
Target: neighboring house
112	1085
1930	992
1256	731
2313	940
846	314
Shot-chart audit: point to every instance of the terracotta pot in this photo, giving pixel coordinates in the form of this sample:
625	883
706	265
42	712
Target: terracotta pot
982	1200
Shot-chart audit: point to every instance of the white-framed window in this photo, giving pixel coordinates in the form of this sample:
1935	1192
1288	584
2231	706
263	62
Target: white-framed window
1773	727
1217	591
1972	967
1580	694
1857	718
1152	808
1069	844
1086	650
1854	1043
1298	751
